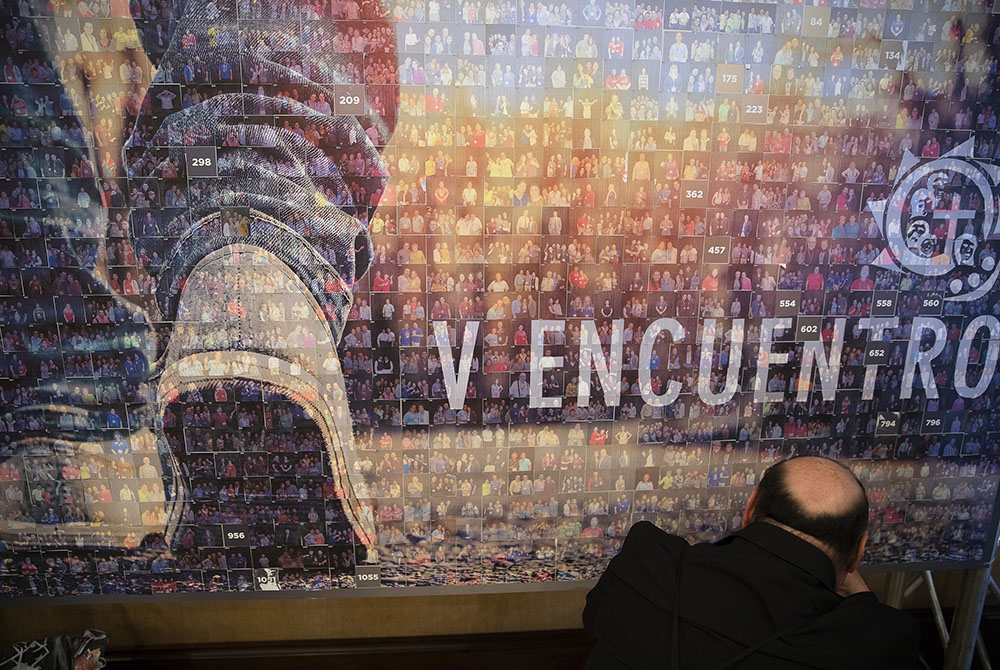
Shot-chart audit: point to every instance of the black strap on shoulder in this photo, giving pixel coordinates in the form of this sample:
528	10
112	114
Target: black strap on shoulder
675	646
749	651
746	653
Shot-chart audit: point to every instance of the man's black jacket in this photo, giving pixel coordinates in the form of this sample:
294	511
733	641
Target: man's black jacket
735	594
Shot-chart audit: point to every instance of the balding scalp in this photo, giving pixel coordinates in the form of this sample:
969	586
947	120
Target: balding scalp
820	498
820	485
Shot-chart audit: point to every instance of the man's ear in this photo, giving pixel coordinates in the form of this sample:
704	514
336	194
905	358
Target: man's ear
861	553
751	506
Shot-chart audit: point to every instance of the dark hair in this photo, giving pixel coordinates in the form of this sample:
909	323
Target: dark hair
842	531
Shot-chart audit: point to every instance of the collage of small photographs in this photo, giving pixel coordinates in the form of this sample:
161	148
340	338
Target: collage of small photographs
320	294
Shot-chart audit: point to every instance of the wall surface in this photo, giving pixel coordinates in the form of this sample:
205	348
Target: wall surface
166	622
153	624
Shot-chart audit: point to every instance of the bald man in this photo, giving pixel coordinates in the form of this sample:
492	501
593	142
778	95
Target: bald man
781	593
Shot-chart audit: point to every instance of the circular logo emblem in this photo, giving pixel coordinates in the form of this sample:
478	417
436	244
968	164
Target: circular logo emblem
937	220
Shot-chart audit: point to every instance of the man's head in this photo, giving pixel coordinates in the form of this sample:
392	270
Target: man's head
819	498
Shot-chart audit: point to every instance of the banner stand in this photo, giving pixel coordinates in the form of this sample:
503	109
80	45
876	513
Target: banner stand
964	639
894	589
926	578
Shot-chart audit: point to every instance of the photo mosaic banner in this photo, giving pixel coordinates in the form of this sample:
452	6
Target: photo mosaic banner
320	294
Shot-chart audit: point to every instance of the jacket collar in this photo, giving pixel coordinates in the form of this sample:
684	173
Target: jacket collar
791	549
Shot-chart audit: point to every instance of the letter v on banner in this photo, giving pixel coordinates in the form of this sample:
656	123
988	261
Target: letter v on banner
456	382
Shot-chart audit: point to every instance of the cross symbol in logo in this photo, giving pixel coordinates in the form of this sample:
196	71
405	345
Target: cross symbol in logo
952	217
